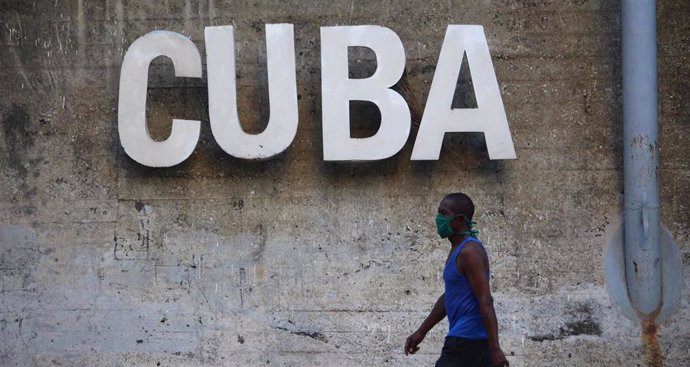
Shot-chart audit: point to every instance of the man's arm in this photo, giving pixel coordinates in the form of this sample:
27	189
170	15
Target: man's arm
435	316
472	263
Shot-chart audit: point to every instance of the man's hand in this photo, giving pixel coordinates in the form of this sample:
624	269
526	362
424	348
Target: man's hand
435	316
498	359
412	343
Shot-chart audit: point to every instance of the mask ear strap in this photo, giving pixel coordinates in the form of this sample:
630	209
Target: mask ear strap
472	232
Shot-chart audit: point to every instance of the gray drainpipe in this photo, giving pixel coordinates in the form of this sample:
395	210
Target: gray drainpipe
641	155
644	269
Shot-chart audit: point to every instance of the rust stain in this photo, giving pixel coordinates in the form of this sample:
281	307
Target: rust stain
650	343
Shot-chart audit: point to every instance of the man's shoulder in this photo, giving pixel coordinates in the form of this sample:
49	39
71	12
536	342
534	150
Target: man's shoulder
472	246
473	251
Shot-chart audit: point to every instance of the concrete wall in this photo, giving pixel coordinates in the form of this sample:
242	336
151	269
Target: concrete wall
299	262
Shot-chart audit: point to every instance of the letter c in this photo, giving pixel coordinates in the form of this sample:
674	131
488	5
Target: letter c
131	119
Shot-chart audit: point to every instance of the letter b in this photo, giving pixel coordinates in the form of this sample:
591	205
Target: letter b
338	90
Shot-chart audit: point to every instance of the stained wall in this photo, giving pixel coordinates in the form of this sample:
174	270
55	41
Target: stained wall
295	261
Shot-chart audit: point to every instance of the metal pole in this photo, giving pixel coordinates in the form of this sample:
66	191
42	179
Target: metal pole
641	155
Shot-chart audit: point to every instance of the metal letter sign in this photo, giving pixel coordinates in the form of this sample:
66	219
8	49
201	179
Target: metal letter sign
489	117
337	91
131	119
282	93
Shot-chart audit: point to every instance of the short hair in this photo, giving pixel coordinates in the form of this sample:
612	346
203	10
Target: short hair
461	204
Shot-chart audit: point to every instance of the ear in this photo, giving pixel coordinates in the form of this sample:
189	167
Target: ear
458	222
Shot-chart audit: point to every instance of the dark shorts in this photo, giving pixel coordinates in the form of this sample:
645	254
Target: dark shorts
461	352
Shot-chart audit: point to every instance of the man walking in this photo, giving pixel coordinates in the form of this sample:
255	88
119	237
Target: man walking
473	331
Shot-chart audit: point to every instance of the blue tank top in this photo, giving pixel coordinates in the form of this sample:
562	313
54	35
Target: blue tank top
462	306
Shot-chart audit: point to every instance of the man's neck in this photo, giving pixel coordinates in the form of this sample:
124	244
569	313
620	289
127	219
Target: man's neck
456	239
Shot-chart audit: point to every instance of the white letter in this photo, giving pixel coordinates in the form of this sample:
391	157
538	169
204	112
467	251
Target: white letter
338	90
282	93
131	118
489	117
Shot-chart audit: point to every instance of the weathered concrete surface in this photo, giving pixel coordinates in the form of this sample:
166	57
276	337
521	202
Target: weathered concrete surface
297	262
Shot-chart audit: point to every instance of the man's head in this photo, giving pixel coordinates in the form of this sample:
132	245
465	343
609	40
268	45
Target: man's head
457	203
460	208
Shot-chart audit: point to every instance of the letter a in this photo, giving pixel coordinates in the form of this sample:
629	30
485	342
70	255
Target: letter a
489	117
338	90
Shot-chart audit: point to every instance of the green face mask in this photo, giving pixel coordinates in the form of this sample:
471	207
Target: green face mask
444	229
443	225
